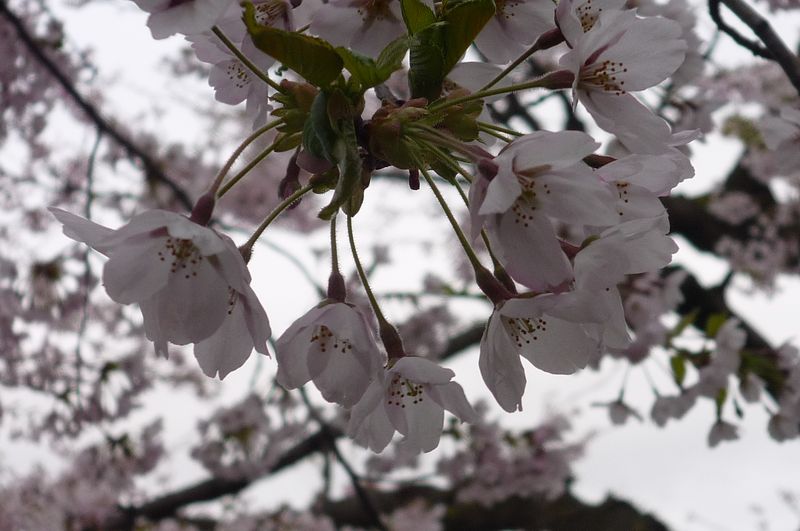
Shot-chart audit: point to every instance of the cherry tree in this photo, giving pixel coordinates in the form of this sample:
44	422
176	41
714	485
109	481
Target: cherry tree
553	140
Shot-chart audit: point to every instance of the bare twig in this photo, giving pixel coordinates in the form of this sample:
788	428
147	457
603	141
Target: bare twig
152	169
773	47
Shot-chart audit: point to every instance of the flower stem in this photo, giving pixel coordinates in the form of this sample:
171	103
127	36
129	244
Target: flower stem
473	258
247	62
336	285
546	40
389	335
552	80
252	164
283	205
235	155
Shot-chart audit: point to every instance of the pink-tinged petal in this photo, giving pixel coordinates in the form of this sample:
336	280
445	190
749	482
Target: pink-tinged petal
256	320
474	75
228	348
551	150
340	376
615	329
135	270
292	358
349	324
560	347
143	223
576	196
231	81
230	266
649	51
425	421
501	367
477	194
493	41
421	370
636	126
369	425
529	250
152	326
656	173
501	192
195	16
451	397
207	241
83	230
193	303
291	351
162	349
371	39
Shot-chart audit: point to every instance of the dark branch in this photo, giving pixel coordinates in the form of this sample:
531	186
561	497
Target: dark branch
152	169
565	513
773	49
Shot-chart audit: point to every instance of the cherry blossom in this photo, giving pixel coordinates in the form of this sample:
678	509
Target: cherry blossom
186	279
538	177
409	397
621	53
366	26
547	330
168	17
629	248
332	345
514	26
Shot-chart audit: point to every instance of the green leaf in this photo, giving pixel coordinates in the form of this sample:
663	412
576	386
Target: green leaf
416	15
312	58
714	323
464	21
366	71
678	364
391	57
685	321
427	62
349	164
722	395
319	138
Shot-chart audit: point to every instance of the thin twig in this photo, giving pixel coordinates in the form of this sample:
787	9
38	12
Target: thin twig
87	271
362	494
774	48
151	167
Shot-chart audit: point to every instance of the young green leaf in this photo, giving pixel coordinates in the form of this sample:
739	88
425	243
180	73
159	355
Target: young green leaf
312	58
464	21
416	15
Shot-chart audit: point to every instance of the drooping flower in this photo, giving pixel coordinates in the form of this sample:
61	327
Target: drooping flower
514	26
185	277
409	397
168	17
538	177
332	345
629	248
366	26
547	330
618	53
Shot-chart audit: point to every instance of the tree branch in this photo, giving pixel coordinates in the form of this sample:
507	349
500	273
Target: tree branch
774	48
152	169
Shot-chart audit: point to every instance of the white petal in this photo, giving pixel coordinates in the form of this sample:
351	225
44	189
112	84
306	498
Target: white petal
193	303
135	270
228	348
451	397
555	150
83	230
421	370
501	367
530	251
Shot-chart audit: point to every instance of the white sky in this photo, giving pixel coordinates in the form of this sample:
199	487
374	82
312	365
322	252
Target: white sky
670	471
